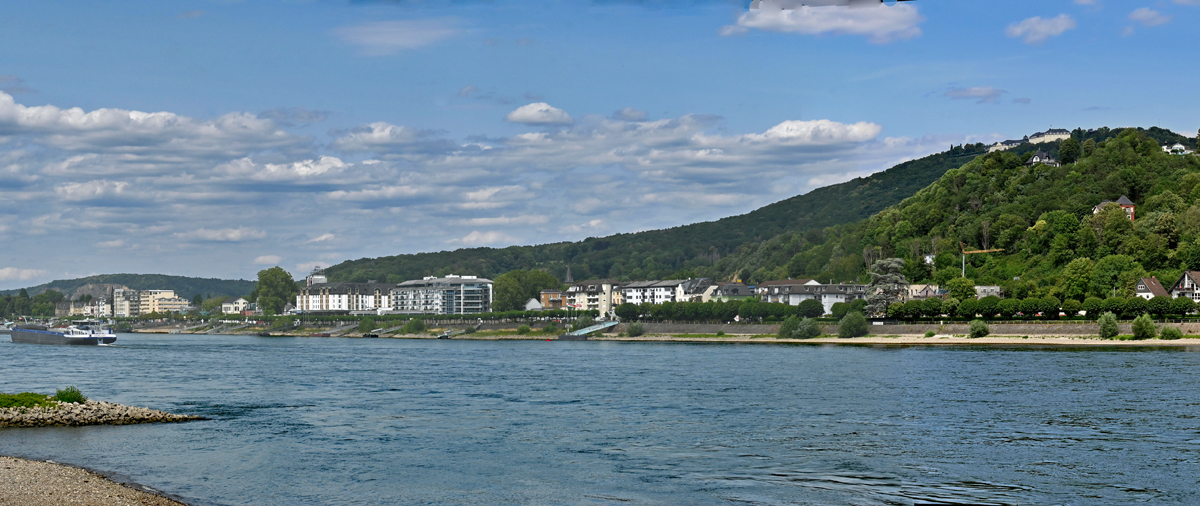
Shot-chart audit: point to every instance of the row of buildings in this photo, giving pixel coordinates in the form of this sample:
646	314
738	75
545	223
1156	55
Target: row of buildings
430	295
123	302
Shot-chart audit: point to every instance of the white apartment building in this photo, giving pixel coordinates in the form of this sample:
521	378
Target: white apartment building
794	291
340	297
598	295
449	295
651	292
126	303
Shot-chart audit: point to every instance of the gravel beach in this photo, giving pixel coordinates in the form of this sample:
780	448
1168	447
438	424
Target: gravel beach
91	412
31	483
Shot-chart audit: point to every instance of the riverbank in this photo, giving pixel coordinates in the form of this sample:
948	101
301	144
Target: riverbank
32	483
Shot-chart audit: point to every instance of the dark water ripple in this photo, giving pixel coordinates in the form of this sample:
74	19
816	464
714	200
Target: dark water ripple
345	421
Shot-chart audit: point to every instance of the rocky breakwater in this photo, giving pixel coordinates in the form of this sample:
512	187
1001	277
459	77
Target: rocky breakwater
90	412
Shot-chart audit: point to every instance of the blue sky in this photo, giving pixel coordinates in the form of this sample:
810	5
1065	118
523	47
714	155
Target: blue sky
218	138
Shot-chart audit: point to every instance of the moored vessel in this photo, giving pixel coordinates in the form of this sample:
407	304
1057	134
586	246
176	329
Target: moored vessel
83	332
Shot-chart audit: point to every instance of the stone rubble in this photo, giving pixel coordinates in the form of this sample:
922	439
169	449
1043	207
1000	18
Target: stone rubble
91	412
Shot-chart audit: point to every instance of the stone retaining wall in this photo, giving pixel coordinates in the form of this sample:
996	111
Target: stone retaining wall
89	413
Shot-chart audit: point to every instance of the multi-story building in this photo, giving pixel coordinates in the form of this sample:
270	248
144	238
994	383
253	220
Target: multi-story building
727	291
551	298
1188	286
343	298
594	295
449	295
794	291
126	303
236	306
650	292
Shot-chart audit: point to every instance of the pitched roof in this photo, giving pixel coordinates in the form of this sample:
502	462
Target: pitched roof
1124	201
1154	287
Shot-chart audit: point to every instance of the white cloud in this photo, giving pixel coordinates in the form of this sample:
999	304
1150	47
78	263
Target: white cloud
879	24
630	114
477	238
322	238
15	274
981	94
223	235
1036	30
539	113
115	243
1148	17
91	190
267	260
381	38
817	132
381	135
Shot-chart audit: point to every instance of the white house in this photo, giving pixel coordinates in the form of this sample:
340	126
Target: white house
235	306
1176	149
653	292
794	291
1149	288
1187	285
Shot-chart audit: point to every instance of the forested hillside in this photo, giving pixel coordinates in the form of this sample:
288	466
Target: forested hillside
183	286
1041	216
679	251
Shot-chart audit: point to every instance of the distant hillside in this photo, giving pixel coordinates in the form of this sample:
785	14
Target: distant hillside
183	286
1042	217
665	253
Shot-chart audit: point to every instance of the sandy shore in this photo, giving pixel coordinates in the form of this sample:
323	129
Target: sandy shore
32	483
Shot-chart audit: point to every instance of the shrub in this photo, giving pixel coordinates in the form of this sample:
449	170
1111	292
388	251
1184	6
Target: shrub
1143	327
773	319
807	329
523	329
414	326
1182	306
720	333
788	329
894	310
979	328
552	328
1108	325
811	308
930	333
583	322
1170	333
366	325
854	324
839	309
635	329
1159	306
469	330
70	394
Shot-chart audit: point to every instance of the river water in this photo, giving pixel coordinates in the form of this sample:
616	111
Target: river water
381	421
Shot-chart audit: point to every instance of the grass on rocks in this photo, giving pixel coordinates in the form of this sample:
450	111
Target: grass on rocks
35	400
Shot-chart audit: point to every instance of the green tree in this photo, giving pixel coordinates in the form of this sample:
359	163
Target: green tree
1071	307
198	300
1116	272
1031	306
1169	333
512	289
1114	305
414	326
854	324
932	307
961	288
1134	306
887	284
811	308
1009	307
1049	307
839	309
950	306
979	328
1089	147
807	329
628	311
275	288
988	306
1068	151
1108	325
787	329
582	322
1093	306
1182	306
635	329
966	308
1143	328
366	325
1159	306
1076	279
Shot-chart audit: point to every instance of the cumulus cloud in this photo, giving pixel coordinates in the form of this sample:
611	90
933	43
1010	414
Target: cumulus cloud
1037	30
1148	17
629	114
981	94
267	260
381	38
91	190
222	235
879	24
321	238
387	137
115	243
539	113
15	274
477	238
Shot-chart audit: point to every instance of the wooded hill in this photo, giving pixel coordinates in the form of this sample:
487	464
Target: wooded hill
183	286
1041	216
675	252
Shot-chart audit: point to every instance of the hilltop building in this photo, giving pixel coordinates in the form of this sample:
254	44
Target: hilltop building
1176	148
1043	158
1124	202
442	296
1051	135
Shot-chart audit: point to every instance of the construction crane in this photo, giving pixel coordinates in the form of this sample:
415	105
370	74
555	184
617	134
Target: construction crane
963	247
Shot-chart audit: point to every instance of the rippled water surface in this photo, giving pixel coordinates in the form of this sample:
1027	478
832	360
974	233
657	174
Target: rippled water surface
380	421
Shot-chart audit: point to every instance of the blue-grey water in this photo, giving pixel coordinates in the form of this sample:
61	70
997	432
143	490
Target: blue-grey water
380	421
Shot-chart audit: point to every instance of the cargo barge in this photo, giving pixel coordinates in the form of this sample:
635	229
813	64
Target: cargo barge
87	333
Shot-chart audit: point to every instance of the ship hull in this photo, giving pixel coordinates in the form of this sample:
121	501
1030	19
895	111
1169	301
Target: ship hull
32	336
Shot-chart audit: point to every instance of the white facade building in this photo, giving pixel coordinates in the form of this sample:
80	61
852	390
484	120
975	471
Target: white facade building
235	306
343	298
651	292
449	295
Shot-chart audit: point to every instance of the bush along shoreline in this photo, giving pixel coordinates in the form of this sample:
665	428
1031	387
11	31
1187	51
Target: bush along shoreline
70	408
